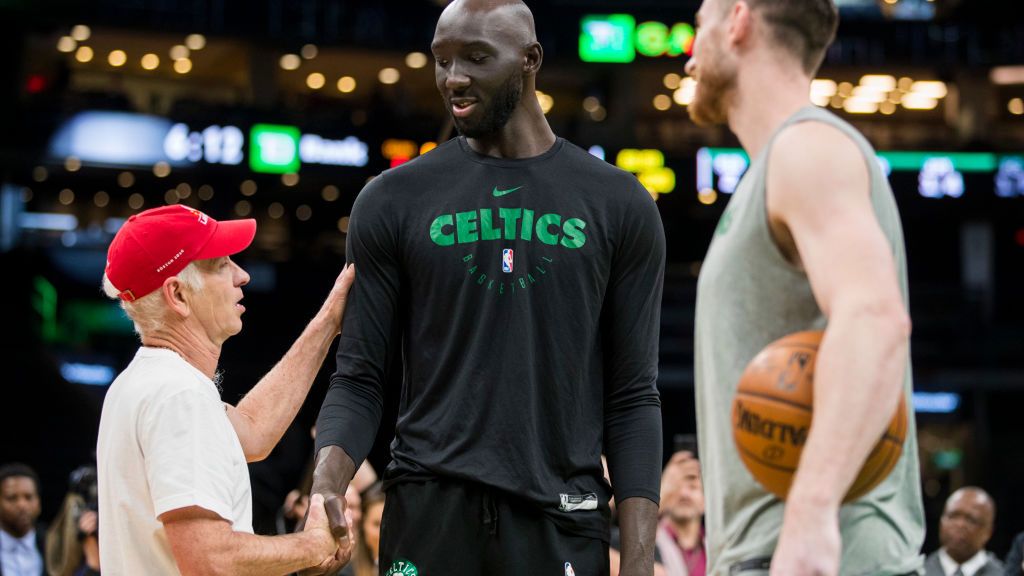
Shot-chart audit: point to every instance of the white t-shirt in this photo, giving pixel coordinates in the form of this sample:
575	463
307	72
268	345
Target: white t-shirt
165	443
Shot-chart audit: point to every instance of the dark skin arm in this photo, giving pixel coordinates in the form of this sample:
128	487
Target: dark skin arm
332	472
638	521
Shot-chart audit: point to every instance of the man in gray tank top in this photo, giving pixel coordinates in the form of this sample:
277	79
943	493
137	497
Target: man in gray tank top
811	239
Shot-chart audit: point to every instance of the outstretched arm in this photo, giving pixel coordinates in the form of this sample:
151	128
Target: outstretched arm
262	417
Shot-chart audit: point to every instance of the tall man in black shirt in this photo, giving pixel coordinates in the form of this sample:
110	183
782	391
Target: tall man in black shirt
520	280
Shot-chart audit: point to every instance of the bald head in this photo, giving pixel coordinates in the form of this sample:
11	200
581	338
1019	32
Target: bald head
512	20
974	496
966	524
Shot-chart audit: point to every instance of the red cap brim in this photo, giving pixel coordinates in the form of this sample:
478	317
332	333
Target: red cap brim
230	237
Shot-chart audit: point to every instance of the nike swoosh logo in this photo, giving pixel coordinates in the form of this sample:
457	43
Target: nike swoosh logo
499	193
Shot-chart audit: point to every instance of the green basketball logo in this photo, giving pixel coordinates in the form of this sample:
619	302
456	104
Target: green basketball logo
402	568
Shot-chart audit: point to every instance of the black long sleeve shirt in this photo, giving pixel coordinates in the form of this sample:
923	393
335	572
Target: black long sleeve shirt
524	298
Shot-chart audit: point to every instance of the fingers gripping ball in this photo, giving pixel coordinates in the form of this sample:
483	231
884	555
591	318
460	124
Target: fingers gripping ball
772	411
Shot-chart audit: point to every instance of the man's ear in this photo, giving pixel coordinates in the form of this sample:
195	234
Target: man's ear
740	22
177	296
533	57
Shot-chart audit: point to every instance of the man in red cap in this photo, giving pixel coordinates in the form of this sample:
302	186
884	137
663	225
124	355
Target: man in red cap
174	488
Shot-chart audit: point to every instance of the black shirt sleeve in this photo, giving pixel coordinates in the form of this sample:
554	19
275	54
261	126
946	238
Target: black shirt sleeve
631	326
351	410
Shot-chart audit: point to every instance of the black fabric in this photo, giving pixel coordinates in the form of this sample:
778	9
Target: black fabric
517	377
1015	557
451	528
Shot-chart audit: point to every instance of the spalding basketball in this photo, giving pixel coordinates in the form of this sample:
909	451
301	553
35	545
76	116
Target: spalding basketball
771	417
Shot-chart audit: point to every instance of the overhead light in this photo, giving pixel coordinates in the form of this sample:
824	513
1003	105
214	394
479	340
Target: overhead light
1002	75
671	80
178	52
275	210
929	88
918	101
591	103
388	76
346	84
1016	106
72	164
330	193
161	169
135	201
873	93
662	102
860	105
66	44
290	62
309	51
183	66
882	82
150	61
546	101
315	80
117	58
303	212
686	91
81	32
83	54
195	41
416	60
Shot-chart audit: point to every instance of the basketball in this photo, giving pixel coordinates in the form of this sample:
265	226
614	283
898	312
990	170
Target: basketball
771	418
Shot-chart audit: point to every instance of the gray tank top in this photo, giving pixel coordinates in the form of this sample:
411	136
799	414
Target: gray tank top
749	295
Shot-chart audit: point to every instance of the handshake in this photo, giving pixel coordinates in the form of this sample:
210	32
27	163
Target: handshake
328	523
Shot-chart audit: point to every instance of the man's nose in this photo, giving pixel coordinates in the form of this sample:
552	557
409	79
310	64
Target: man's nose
455	79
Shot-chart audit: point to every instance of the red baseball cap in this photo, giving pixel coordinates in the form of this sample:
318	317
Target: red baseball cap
158	243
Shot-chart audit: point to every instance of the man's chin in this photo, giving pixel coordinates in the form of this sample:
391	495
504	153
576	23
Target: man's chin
704	115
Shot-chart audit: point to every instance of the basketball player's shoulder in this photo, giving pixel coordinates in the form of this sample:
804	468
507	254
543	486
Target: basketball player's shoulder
601	176
408	178
820	134
818	152
438	158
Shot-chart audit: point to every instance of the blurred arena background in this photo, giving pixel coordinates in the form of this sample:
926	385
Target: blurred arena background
282	109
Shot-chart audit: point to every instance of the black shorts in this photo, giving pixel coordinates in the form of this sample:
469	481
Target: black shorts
453	528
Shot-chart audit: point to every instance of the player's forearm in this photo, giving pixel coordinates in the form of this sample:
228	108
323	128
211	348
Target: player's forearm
858	380
333	471
269	408
638	524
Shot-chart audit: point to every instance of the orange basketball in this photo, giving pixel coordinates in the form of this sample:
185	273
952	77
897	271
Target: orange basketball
771	417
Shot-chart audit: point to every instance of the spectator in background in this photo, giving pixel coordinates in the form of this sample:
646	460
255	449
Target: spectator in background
964	530
72	543
367	552
22	542
680	539
1015	558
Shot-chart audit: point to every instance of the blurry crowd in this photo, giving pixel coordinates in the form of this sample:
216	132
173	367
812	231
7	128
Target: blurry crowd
70	545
